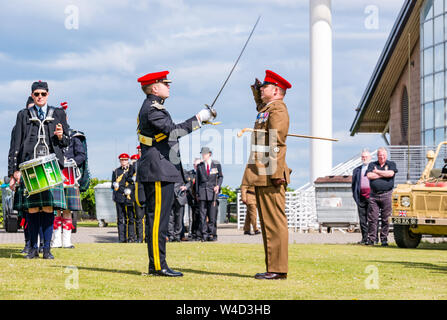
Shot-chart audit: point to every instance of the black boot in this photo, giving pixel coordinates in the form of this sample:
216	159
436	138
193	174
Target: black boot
27	248
41	247
33	253
47	254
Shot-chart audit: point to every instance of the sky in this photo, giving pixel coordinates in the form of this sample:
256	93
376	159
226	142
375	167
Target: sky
91	53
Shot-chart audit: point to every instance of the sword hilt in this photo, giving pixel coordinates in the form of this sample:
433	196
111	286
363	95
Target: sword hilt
212	110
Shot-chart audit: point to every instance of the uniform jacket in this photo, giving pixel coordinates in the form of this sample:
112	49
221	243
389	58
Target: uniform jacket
248	194
125	181
161	161
268	149
205	184
25	137
75	149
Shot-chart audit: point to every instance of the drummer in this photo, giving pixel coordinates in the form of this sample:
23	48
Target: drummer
24	139
75	153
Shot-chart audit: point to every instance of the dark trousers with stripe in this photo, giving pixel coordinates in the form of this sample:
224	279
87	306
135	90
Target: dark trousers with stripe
159	199
139	215
125	222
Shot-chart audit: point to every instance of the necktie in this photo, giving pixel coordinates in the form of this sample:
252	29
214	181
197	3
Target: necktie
41	115
207	169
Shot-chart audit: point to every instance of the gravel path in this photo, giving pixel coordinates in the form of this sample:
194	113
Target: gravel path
226	234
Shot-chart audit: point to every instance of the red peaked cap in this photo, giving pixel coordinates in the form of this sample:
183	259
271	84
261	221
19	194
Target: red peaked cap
64	105
276	79
138	147
123	156
135	157
151	78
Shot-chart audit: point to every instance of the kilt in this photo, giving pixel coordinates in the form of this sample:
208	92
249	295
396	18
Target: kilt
19	197
73	198
54	197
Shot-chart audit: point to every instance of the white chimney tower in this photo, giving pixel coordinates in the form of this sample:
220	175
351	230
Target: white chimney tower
320	87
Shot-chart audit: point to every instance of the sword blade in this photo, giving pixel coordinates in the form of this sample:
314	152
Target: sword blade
235	64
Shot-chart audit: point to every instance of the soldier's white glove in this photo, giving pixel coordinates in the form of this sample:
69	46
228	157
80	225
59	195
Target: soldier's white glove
127	192
205	115
116	185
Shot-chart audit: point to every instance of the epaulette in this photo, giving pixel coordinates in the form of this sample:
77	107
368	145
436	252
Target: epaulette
157	105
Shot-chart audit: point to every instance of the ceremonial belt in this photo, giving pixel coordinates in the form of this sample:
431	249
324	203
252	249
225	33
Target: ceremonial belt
260	148
148	141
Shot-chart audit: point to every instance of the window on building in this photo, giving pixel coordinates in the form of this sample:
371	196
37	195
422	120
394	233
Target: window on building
433	43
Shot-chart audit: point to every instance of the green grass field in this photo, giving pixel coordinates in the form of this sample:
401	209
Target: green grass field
225	271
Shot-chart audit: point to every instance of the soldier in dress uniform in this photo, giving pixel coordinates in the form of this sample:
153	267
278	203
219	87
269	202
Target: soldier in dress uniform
122	183
268	172
209	179
26	146
160	166
139	200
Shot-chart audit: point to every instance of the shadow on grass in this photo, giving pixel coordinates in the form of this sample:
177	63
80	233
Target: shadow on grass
138	273
11	253
418	265
130	272
202	272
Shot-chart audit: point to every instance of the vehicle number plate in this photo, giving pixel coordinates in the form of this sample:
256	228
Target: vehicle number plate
405	221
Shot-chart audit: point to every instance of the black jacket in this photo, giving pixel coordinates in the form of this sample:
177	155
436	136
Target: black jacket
356	177
205	184
125	182
24	137
161	161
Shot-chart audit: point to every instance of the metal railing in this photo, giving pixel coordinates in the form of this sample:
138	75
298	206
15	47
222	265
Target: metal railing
300	204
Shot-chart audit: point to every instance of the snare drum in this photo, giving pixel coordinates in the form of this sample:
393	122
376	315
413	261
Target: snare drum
41	174
71	173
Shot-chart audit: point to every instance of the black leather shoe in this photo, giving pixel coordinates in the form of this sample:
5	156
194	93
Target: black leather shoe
257	232
247	233
166	273
384	244
41	249
33	253
47	254
271	276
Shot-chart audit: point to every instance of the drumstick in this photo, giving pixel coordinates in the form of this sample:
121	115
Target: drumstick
240	133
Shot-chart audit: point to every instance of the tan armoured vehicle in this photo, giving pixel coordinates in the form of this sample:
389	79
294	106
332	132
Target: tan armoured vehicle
421	208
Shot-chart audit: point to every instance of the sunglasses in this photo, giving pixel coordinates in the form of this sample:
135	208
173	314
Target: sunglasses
43	94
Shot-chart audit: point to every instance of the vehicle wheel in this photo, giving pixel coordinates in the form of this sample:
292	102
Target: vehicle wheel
405	238
351	228
11	224
101	223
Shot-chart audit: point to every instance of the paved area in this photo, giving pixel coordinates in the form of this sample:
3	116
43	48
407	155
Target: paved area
227	233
